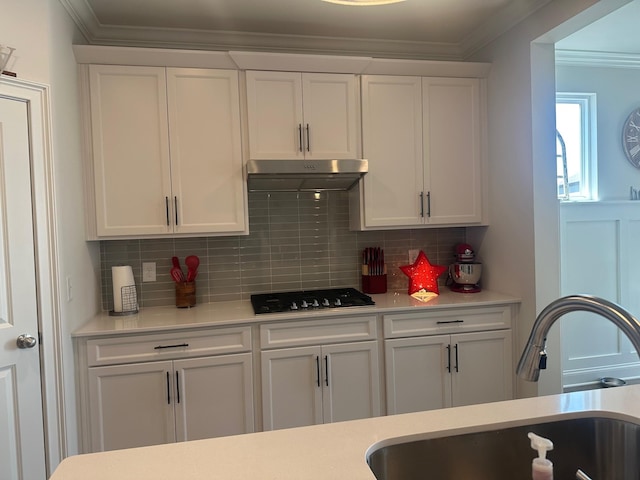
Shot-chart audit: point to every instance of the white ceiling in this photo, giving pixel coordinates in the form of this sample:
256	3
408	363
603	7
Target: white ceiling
614	33
412	29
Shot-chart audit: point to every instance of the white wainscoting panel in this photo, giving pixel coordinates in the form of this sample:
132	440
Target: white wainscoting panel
600	255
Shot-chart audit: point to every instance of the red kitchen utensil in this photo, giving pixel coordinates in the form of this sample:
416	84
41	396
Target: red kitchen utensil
175	262
193	262
177	275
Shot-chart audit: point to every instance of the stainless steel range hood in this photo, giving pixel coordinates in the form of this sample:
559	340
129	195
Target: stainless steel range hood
304	175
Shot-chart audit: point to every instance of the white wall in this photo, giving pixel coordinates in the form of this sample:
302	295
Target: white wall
78	259
616	92
42	34
520	248
24	26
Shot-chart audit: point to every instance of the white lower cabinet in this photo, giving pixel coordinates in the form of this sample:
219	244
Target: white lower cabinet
320	384
448	370
161	402
195	392
321	380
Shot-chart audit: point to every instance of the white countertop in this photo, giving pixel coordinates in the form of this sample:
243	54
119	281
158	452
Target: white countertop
240	312
338	450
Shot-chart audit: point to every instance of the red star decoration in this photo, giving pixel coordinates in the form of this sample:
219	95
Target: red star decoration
423	275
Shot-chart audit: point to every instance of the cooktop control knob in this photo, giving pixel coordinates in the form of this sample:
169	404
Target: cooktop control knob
338	303
294	306
325	302
304	304
315	303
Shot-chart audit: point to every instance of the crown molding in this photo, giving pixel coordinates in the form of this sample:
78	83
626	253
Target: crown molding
578	58
503	21
97	34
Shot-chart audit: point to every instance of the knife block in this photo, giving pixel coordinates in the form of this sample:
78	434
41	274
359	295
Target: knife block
185	294
374	283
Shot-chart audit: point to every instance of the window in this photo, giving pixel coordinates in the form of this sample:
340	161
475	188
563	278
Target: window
576	146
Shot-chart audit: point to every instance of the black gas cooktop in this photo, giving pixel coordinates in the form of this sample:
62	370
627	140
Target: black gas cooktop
307	300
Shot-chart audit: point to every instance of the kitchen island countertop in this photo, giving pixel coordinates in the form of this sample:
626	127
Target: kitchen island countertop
155	319
338	450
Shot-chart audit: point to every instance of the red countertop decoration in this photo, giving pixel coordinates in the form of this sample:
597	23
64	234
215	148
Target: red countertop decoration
423	275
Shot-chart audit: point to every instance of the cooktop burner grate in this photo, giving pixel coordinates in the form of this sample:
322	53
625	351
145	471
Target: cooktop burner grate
306	300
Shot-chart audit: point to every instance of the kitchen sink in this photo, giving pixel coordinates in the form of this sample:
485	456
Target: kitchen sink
603	448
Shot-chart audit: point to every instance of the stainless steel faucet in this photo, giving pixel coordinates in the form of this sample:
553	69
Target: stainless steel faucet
534	357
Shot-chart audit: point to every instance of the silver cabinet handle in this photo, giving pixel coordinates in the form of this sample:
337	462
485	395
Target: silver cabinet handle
440	322
449	358
26	341
166	204
422	204
300	135
308	140
175	204
428	204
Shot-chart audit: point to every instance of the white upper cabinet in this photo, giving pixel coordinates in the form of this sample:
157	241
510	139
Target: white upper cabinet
206	157
166	151
452	123
295	115
423	140
392	143
129	127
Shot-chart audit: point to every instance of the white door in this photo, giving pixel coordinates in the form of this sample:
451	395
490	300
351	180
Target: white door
138	395
213	396
392	143
418	375
131	150
452	148
21	421
206	150
274	113
482	367
291	388
330	116
351	381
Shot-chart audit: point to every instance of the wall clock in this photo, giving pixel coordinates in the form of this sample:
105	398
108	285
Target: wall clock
631	138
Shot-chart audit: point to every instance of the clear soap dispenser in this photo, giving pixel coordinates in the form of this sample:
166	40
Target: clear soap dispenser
541	467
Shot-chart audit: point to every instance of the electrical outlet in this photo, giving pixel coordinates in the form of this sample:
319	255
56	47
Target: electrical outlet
148	271
413	254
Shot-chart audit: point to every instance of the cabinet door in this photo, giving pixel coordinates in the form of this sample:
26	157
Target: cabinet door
213	396
392	143
131	405
452	149
274	107
351	381
483	370
330	129
130	149
291	388
417	374
206	158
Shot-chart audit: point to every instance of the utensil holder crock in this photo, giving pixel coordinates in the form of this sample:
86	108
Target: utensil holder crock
374	283
185	294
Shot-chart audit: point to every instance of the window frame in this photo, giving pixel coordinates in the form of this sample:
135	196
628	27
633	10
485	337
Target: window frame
589	161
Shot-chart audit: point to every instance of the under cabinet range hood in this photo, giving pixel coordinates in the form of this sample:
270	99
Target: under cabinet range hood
304	175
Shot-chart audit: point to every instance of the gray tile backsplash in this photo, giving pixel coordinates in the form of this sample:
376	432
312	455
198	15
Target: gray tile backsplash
298	241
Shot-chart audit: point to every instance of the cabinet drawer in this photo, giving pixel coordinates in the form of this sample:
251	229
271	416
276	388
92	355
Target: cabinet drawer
447	321
144	348
307	332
